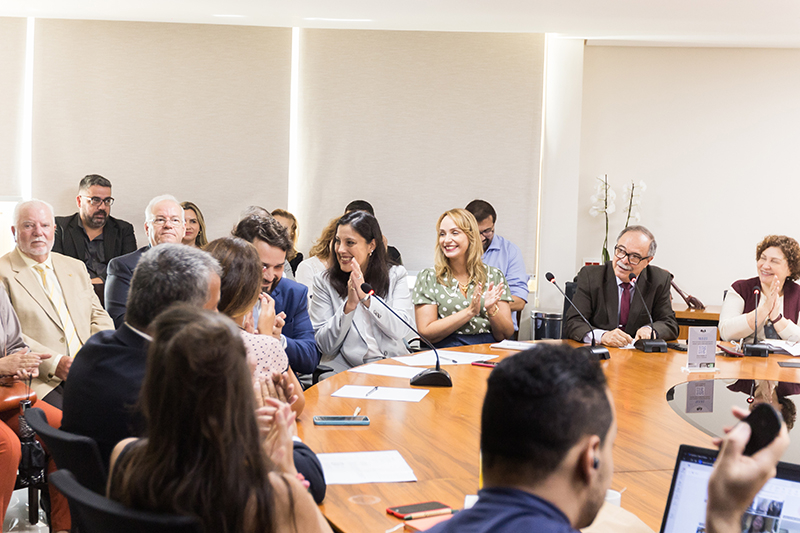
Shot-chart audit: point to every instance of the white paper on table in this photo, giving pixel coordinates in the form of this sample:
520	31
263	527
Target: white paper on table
350	468
446	357
508	344
392	371
364	392
792	348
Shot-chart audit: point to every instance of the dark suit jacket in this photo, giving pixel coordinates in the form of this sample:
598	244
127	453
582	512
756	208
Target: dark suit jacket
597	297
103	388
102	392
118	238
118	282
301	348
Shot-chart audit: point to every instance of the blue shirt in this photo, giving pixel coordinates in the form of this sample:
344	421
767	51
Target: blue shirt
507	510
506	256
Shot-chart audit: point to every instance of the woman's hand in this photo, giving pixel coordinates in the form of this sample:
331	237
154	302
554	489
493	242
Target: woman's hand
23	364
266	318
774	291
354	292
492	296
278	443
475	303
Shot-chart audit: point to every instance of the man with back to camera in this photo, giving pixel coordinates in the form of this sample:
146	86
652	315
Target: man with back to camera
547	434
502	254
292	323
606	296
92	235
52	296
164	223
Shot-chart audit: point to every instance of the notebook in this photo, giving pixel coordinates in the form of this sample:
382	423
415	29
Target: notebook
777	505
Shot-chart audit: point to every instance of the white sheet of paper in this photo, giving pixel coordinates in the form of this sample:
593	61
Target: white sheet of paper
508	344
365	392
392	371
445	358
792	348
365	467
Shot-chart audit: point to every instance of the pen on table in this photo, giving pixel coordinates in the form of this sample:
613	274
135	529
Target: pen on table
373	389
426	514
358	410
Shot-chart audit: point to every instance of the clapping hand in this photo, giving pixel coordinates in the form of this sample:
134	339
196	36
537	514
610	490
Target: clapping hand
492	296
266	318
475	303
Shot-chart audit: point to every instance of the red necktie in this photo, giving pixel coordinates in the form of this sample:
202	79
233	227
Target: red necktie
624	305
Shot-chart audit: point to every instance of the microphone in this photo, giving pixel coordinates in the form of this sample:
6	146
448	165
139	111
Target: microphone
598	352
652	344
755	349
430	377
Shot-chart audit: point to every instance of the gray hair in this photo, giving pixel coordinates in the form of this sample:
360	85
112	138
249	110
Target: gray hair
22	205
90	180
166	274
644	231
148	211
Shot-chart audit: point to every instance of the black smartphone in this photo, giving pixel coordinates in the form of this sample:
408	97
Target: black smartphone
765	424
341	420
402	511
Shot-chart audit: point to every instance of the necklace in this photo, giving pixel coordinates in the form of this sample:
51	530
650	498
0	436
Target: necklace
464	287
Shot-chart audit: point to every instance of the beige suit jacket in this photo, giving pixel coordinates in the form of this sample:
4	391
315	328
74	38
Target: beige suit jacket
41	326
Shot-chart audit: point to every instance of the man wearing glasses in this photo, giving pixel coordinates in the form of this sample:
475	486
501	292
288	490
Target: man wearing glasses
605	295
163	223
502	254
92	235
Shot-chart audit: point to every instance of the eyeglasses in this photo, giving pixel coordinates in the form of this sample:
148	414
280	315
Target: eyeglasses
96	200
487	232
160	221
622	253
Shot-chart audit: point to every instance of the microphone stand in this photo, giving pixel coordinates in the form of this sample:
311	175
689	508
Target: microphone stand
755	349
430	377
597	352
651	345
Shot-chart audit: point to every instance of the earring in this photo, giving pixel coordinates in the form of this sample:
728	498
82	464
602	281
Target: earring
595	463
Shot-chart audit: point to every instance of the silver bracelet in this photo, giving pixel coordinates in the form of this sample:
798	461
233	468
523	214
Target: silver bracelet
365	299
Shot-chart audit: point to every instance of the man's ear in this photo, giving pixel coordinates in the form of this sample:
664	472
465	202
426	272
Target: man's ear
14	233
78	200
589	458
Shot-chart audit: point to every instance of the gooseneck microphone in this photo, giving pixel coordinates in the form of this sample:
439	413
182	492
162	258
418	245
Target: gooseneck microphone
651	345
598	352
755	349
430	377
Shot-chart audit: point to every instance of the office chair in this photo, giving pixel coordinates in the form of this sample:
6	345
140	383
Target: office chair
93	513
75	453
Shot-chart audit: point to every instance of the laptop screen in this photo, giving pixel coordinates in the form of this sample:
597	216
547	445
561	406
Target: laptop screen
775	509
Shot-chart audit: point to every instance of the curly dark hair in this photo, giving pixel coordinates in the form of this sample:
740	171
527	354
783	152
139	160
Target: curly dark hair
790	249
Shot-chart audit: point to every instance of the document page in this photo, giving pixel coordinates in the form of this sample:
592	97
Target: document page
365	467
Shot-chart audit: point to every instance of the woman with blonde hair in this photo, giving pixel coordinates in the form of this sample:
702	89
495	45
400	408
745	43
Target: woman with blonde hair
195	225
461	301
289	221
319	256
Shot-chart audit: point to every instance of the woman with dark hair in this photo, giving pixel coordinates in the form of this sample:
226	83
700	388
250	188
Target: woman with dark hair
778	265
318	258
351	329
240	289
289	221
208	455
195	226
461	301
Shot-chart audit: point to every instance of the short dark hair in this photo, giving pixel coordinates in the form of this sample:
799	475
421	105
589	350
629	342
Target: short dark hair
377	271
166	274
482	209
538	405
90	180
788	247
359	205
269	230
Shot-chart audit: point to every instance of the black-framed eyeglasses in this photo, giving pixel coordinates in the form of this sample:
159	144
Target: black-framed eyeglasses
487	232
96	200
633	259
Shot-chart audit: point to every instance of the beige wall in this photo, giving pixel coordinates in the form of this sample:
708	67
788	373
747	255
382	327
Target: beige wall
12	74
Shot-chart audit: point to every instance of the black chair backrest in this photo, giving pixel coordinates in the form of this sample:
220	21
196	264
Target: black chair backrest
76	453
569	289
93	513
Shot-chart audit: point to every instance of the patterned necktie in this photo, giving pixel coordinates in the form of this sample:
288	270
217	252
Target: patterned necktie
624	305
57	299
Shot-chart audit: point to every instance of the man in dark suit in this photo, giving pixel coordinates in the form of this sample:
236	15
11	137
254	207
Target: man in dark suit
605	295
164	223
92	235
292	324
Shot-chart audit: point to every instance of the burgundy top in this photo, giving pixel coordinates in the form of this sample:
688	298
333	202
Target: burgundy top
791	296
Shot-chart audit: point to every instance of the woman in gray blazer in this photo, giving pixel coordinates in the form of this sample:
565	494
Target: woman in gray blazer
350	327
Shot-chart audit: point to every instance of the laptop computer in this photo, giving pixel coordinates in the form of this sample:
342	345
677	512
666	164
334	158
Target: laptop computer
775	509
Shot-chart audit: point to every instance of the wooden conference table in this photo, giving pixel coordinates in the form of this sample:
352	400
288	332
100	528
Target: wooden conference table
439	436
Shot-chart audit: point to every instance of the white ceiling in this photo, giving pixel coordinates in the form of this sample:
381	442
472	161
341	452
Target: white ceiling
761	23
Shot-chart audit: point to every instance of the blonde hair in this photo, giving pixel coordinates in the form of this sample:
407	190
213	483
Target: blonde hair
465	221
322	246
291	230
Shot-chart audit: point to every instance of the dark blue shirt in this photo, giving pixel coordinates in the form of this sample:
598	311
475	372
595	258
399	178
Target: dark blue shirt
506	510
